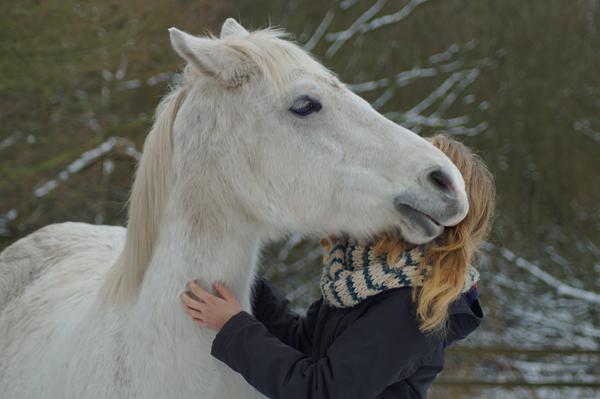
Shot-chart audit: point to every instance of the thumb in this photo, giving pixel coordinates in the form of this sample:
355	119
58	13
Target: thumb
224	292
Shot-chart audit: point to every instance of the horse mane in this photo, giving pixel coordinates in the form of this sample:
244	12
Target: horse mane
274	58
146	203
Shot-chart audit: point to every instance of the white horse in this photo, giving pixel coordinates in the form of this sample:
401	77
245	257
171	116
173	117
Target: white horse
257	140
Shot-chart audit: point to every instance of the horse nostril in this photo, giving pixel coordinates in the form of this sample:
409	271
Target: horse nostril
442	182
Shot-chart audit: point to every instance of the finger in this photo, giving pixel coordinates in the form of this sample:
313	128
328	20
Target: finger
200	292
200	323
188	301
224	292
196	314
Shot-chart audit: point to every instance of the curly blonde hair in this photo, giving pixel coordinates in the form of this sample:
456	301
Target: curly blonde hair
451	253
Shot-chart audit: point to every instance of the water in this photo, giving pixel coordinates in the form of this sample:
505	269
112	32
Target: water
517	81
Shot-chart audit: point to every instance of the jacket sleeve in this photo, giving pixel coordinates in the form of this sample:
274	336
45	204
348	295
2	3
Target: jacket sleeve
417	385
381	347
272	309
464	316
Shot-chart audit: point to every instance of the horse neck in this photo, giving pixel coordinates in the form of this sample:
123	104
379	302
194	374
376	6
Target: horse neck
221	249
211	244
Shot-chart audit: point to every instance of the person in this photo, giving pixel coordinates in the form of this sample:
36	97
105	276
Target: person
387	312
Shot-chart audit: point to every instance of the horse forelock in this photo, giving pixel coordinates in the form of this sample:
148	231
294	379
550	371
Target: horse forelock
271	53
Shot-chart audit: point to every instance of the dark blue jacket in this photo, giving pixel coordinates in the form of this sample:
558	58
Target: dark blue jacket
372	350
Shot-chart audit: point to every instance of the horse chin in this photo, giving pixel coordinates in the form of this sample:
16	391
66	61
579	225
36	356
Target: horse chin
417	237
419	230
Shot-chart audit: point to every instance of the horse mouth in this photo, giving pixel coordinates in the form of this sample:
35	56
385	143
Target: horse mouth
428	224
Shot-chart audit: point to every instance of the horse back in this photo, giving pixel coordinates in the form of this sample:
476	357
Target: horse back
30	257
47	279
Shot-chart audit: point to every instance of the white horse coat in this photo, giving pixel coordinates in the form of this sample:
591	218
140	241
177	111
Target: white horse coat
258	140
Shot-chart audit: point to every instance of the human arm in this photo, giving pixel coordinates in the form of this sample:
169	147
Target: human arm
464	316
418	383
271	307
378	349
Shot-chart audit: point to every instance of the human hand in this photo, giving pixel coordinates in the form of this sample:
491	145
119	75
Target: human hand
209	310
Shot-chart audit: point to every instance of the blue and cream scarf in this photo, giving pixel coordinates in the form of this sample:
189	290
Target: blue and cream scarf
352	272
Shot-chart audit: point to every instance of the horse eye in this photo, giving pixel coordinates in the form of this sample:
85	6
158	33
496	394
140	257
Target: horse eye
304	106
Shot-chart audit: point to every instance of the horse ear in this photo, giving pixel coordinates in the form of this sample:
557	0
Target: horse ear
211	57
231	27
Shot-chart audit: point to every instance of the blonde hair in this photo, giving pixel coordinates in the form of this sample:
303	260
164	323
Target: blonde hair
451	253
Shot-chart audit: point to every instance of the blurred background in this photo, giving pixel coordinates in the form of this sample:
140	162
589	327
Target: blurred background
518	81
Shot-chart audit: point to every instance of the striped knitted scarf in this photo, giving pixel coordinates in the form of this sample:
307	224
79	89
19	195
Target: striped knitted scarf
352	272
